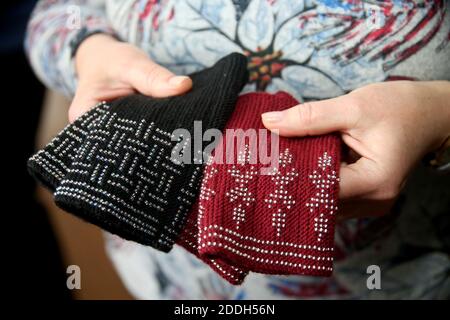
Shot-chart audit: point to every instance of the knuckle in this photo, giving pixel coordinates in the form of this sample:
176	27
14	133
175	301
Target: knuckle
376	180
128	63
127	70
306	114
381	182
354	109
154	73
387	189
354	103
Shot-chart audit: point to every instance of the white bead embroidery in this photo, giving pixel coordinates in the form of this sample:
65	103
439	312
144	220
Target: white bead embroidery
266	242
240	193
195	246
206	193
141	152
280	199
49	160
323	179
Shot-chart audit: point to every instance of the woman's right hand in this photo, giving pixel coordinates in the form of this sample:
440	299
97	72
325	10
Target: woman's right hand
109	69
389	127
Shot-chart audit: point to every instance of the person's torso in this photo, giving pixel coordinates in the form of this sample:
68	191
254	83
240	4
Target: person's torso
311	49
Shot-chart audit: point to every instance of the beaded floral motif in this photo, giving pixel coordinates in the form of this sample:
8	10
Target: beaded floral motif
280	199
240	193
322	203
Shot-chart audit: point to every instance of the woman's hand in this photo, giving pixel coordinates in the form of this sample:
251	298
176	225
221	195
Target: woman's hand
109	69
388	126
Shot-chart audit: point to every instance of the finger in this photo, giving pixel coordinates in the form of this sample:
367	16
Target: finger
312	118
88	95
153	80
81	103
358	179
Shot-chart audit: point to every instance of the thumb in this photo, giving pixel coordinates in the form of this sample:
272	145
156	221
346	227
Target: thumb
153	80
312	118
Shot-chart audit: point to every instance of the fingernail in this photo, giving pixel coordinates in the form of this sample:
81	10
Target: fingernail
272	117
177	80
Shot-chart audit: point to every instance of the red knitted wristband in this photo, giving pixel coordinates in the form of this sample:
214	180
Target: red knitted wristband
278	223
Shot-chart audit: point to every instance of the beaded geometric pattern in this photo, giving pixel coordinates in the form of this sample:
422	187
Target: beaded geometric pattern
124	166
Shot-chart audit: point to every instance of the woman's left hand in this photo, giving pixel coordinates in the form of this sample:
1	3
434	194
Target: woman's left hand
388	126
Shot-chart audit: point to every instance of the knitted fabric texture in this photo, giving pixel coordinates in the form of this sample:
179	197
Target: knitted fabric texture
123	176
50	165
277	223
189	239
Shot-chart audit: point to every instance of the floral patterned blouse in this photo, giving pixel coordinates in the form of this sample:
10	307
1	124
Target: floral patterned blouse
313	49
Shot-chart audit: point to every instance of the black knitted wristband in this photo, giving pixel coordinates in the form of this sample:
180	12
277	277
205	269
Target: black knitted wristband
123	178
